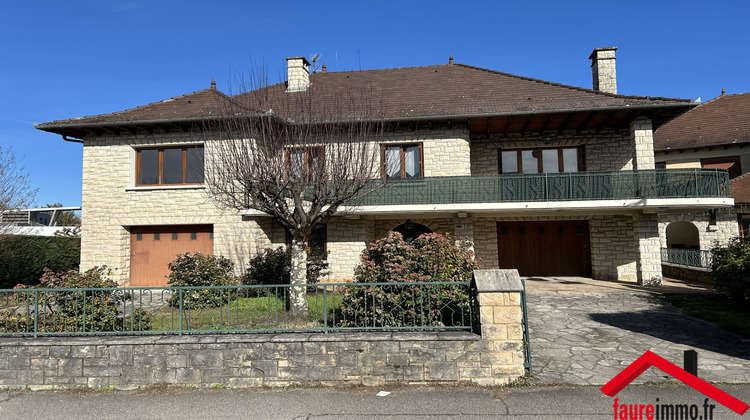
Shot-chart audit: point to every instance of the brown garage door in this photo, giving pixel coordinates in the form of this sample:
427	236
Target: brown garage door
153	247
558	248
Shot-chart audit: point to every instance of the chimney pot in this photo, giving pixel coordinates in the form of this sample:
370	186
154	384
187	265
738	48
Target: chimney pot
298	74
603	69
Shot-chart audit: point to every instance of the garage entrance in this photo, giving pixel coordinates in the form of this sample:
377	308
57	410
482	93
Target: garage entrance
545	248
153	247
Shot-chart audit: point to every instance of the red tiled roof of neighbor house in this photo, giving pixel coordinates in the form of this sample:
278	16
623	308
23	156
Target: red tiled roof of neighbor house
740	187
721	121
429	92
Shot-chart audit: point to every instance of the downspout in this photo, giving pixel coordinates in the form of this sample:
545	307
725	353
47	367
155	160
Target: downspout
71	140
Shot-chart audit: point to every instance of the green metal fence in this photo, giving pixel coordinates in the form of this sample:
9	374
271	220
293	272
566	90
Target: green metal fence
182	310
687	257
570	186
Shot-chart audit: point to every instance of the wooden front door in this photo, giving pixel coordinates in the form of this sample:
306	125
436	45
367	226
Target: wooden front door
152	248
545	248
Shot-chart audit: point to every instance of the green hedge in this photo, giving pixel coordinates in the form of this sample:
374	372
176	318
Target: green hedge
24	258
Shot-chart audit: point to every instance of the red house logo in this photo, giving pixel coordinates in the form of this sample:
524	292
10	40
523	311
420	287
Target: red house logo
649	359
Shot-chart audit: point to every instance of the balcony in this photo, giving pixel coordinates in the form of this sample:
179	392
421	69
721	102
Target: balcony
554	187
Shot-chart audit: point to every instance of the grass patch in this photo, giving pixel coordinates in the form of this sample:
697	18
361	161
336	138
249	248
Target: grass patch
256	313
716	308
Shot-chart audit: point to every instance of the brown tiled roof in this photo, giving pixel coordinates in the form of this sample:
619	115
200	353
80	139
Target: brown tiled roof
460	90
720	121
740	187
192	106
429	92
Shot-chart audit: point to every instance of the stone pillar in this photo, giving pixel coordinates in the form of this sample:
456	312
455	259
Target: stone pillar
649	253
642	137
500	315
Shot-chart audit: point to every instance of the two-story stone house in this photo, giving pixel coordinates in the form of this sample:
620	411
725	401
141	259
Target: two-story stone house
547	178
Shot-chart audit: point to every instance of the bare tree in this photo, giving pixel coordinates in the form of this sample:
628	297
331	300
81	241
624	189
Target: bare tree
15	191
296	156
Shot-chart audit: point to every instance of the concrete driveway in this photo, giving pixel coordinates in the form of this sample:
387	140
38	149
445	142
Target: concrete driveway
585	331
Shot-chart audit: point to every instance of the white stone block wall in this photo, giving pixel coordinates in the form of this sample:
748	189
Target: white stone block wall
725	229
111	204
643	140
649	252
614	249
346	241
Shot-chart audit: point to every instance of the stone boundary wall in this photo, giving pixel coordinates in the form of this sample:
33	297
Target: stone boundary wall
254	360
681	272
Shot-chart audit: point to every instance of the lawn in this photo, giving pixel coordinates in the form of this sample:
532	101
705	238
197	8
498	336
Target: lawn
716	308
258	313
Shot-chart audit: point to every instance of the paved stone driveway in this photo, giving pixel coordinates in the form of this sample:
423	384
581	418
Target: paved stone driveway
584	332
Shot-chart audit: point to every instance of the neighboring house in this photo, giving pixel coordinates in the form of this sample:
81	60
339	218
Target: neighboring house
547	178
715	134
37	222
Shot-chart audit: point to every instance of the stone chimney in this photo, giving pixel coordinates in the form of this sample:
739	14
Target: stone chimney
603	69
298	74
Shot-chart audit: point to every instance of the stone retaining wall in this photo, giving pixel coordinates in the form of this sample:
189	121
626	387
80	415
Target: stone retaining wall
250	360
681	272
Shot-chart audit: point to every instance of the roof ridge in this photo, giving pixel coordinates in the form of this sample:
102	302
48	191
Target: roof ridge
578	88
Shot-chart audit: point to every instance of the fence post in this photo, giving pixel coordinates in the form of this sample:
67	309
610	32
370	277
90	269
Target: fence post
36	313
500	294
180	314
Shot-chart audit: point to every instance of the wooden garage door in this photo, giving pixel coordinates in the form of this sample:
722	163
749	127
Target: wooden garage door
558	248
153	247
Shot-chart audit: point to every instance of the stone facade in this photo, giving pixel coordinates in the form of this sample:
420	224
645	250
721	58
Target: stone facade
726	227
277	360
112	203
621	245
603	151
613	248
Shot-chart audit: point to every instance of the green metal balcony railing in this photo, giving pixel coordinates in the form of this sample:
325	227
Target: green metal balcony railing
570	186
228	309
687	257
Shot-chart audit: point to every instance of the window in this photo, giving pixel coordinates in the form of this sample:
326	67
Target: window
170	166
308	162
537	161
402	161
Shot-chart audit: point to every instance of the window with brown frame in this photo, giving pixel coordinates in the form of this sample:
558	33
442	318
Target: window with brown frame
401	160
307	161
540	160
170	166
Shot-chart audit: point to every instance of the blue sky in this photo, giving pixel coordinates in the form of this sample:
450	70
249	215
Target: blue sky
81	57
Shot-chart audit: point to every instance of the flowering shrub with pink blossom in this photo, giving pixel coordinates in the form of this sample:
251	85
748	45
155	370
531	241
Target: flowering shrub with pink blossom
429	258
72	310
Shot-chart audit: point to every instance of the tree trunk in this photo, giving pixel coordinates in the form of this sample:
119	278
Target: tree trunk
297	294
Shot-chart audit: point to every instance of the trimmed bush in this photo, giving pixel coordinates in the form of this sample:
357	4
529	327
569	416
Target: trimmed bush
429	258
201	270
730	269
24	258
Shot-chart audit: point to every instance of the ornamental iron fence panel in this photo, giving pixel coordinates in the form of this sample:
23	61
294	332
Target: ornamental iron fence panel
229	309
